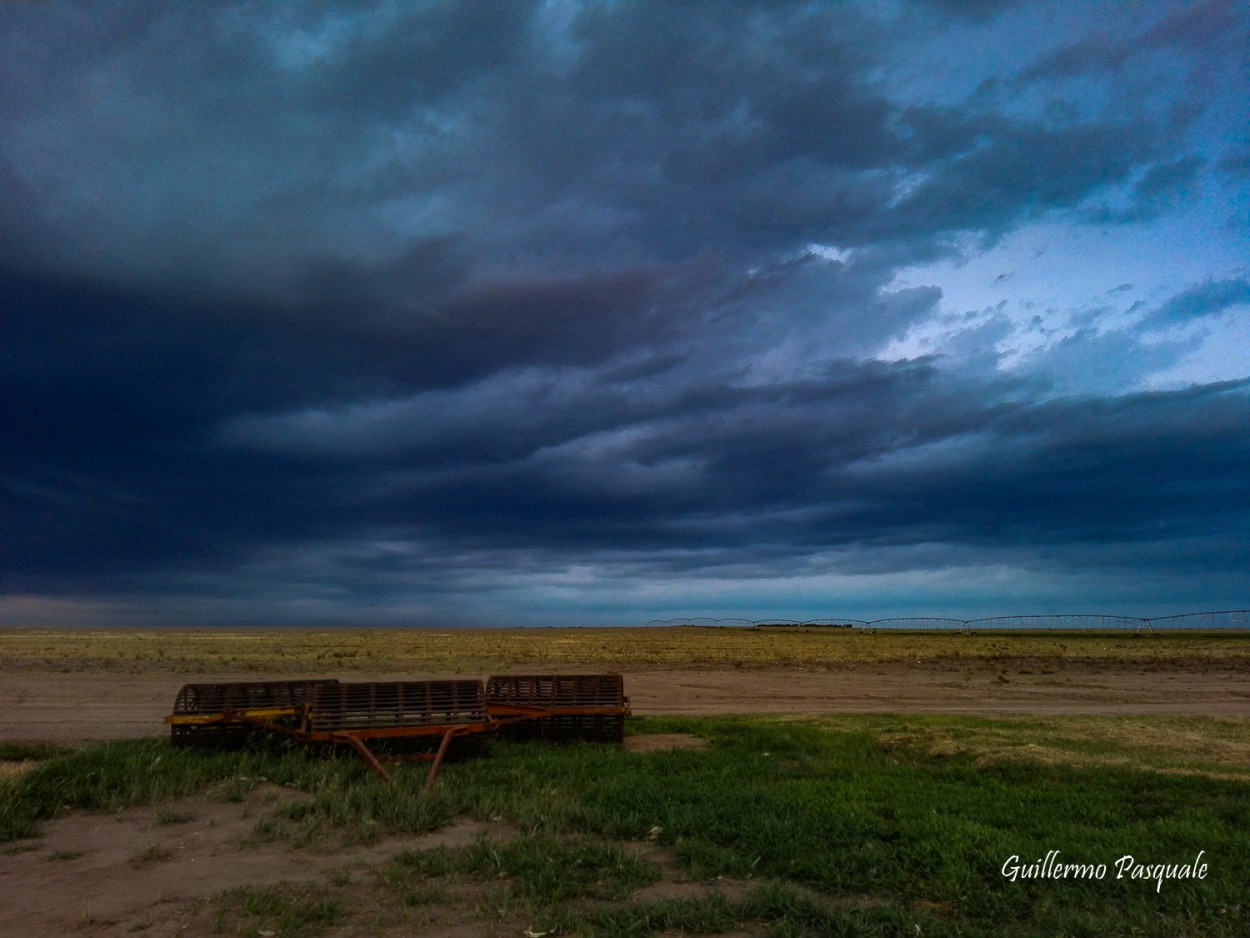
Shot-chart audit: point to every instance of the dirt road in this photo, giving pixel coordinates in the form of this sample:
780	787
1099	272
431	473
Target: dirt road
74	708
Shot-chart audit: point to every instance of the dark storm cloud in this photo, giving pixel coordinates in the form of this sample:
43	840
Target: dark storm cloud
646	130
863	454
1147	467
1206	26
1208	299
1161	187
366	302
1025	171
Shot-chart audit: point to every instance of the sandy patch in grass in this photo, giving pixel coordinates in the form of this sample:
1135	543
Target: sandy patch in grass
1221	749
14	769
663	742
152	869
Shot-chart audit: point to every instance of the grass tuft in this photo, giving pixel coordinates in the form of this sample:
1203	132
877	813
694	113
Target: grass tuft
174	816
149	855
283	911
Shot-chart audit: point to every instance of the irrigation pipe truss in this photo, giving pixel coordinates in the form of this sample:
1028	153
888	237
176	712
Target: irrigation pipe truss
1229	619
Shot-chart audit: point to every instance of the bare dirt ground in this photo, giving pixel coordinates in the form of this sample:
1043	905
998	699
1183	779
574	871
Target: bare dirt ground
154	870
144	870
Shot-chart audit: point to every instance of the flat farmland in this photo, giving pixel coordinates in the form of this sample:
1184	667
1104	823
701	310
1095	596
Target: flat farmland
363	650
775	783
77	685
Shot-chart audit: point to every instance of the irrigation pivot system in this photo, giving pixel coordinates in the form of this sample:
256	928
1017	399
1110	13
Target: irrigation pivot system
397	721
1232	619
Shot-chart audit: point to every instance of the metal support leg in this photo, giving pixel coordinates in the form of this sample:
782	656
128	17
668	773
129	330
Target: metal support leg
438	759
360	747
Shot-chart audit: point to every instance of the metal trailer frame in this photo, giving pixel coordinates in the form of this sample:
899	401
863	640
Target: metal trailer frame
405	720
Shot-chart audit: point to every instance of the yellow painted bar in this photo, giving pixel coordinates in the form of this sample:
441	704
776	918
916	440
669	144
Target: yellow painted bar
232	716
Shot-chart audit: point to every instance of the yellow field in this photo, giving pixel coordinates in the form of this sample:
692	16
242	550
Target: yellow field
483	650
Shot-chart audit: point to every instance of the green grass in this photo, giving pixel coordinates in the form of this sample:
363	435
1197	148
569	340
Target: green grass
845	825
541	869
283	911
118	775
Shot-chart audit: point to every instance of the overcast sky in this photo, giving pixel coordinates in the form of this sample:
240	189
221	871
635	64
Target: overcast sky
592	313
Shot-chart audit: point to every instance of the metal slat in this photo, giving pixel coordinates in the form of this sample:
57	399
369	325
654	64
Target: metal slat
401	703
242	695
561	696
221	699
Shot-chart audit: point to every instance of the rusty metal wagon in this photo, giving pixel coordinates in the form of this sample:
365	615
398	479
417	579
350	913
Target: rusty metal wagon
391	721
